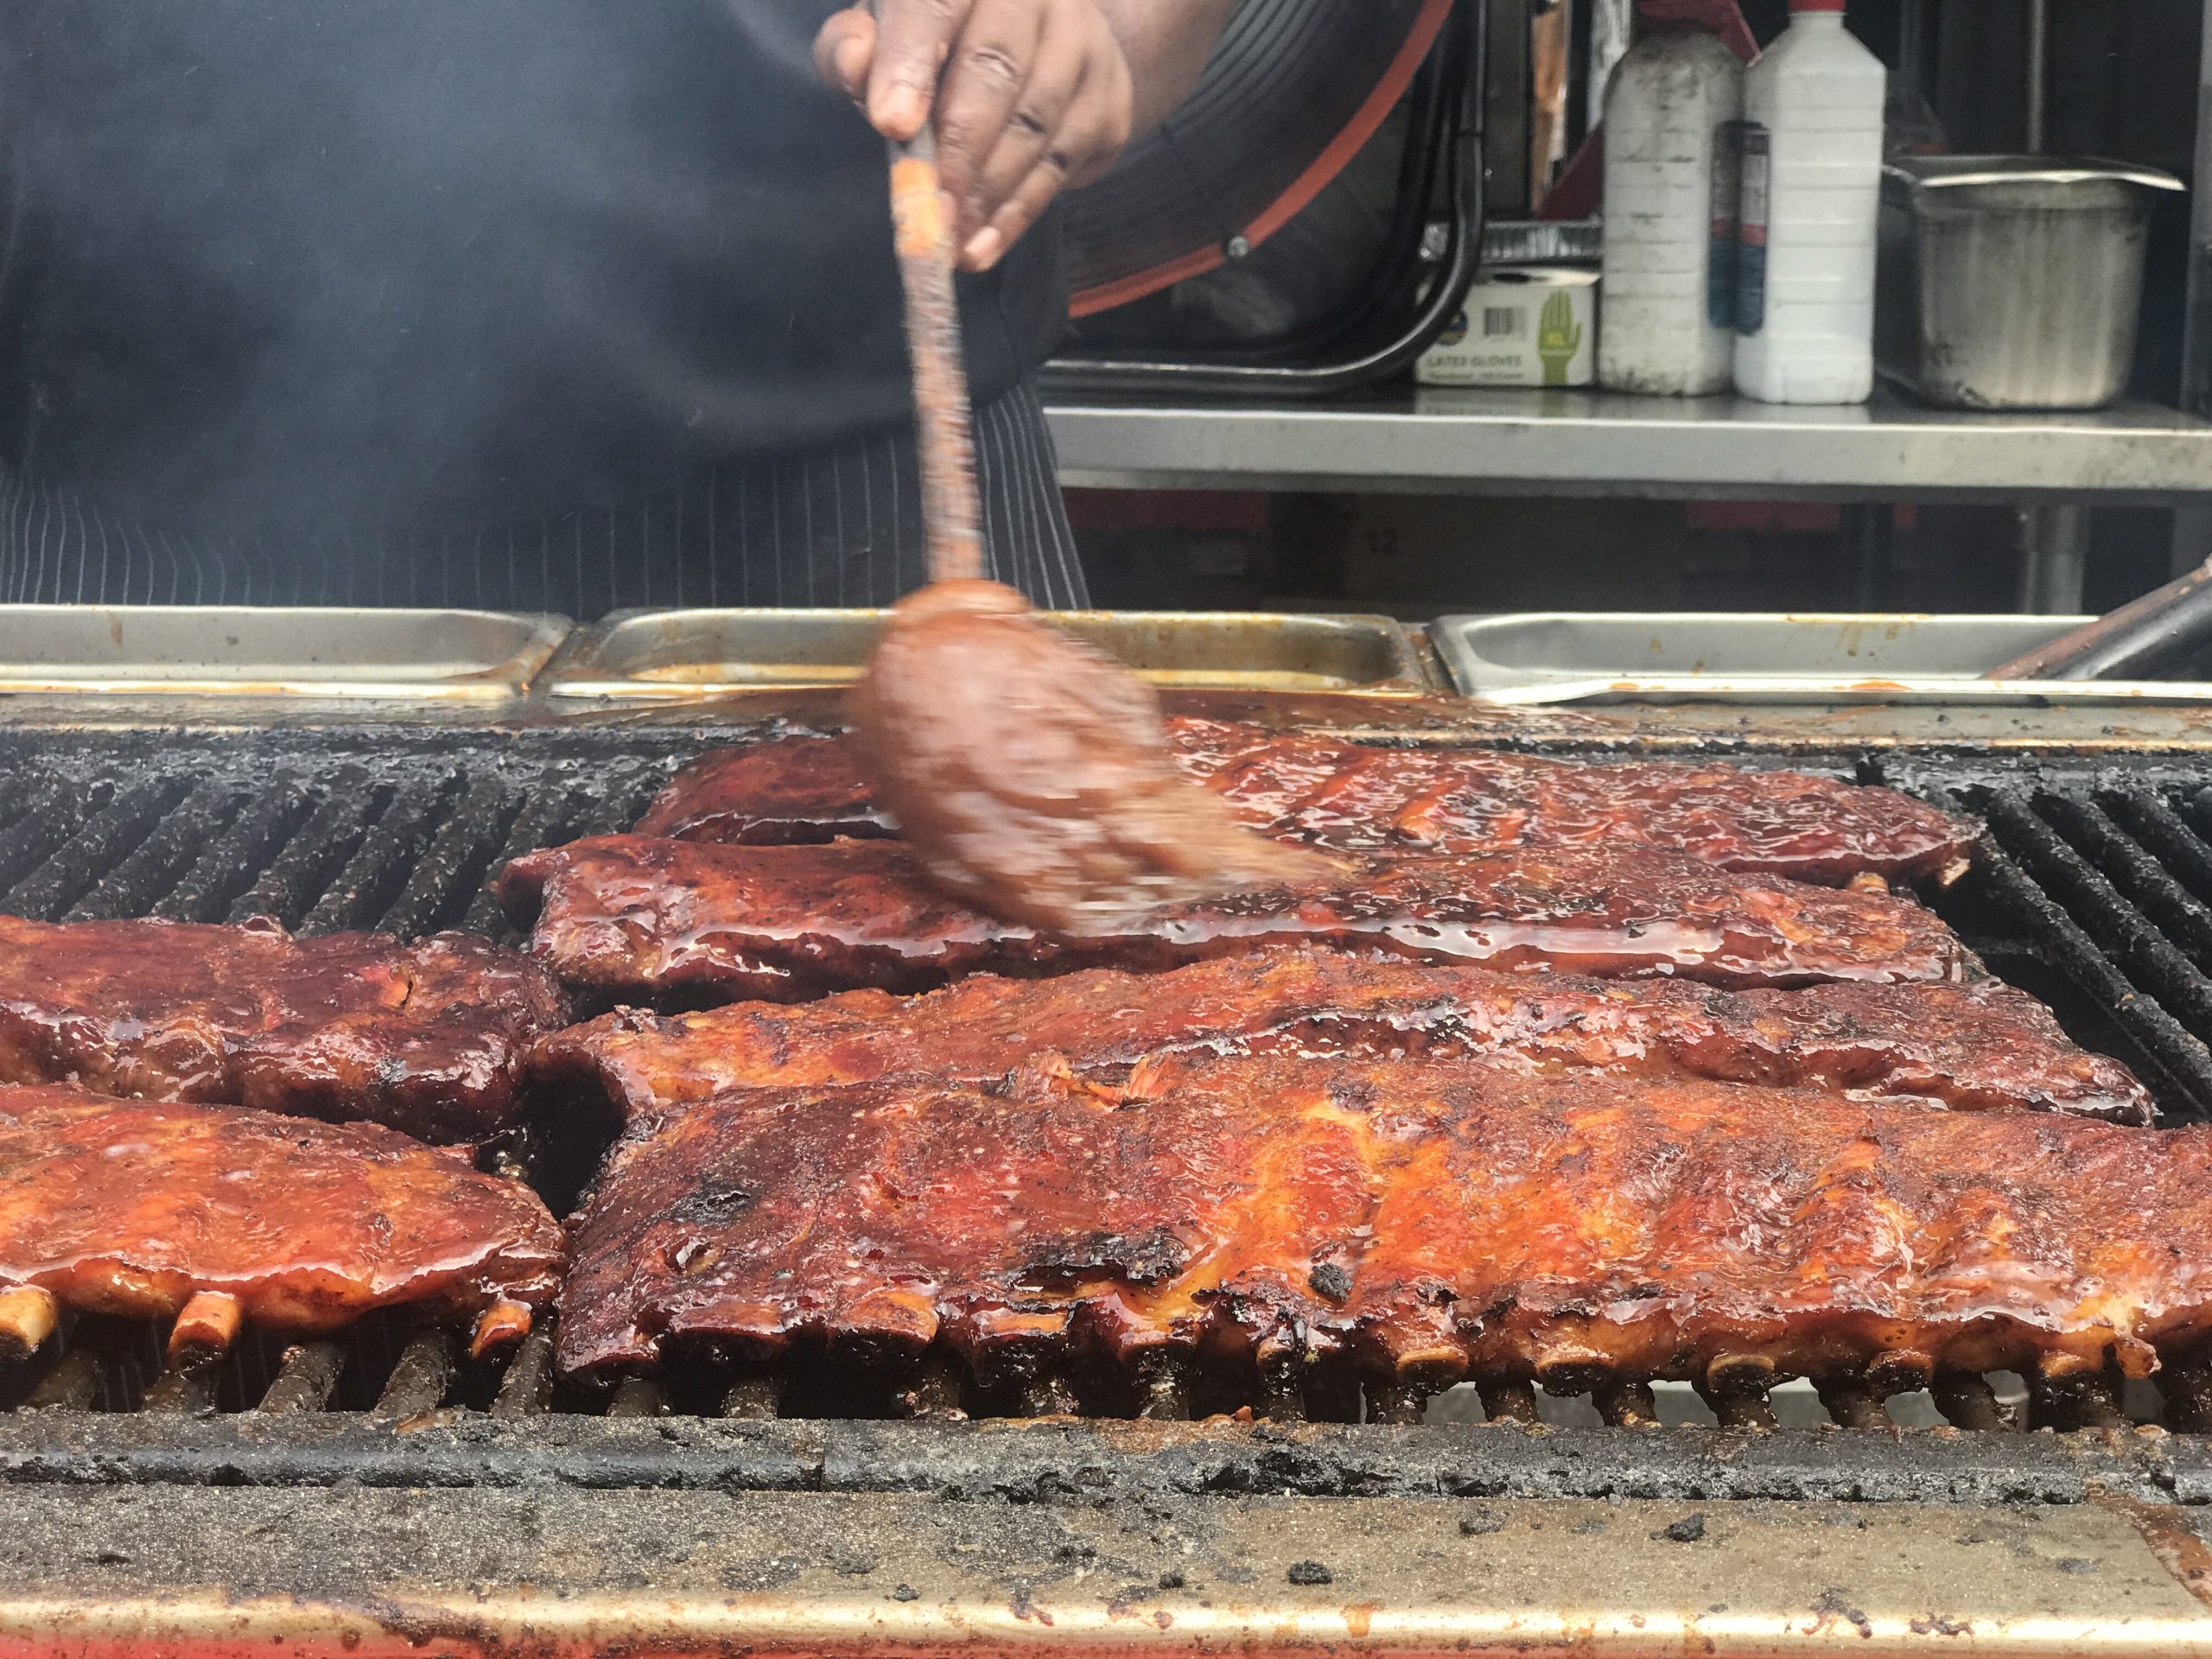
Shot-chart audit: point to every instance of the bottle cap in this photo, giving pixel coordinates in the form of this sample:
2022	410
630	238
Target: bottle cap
1817	5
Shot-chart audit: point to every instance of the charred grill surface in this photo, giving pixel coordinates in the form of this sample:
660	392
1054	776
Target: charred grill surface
427	1037
146	1210
1976	1047
1351	798
1414	1223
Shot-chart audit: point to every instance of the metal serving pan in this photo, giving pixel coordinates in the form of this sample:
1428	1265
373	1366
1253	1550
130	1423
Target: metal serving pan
1551	657
224	651
668	655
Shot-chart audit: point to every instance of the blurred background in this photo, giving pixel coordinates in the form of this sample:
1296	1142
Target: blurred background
2053	77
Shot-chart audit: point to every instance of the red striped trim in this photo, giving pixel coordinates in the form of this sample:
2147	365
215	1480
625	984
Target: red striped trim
1309	184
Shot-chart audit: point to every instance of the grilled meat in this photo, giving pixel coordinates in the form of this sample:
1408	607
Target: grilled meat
625	917
1345	796
788	792
1415	1221
1978	1047
427	1037
141	1209
1787	823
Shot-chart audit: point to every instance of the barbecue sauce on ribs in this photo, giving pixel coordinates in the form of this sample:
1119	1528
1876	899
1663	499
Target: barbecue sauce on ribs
1347	798
132	1207
427	1037
1410	1221
1982	1047
631	917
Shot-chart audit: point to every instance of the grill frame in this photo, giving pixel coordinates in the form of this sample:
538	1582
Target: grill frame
149	1530
385	1572
1076	1460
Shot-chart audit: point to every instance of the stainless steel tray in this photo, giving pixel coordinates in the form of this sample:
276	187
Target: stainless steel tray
668	655
1551	657
272	652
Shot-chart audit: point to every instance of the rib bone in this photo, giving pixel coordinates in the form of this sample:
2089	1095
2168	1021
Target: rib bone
209	1325
499	1327
28	1316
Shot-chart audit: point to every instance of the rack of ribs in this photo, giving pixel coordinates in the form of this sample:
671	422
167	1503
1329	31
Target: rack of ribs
217	1217
629	917
1982	1047
1350	798
1411	1222
427	1037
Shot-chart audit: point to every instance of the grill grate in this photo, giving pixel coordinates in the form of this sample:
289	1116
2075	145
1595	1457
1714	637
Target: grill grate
2093	894
2094	890
323	838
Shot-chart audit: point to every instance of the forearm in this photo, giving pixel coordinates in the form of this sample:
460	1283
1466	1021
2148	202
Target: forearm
1167	43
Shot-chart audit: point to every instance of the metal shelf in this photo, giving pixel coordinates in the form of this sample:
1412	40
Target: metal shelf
1595	443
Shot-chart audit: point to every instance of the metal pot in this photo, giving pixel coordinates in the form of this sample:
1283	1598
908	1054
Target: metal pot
2012	282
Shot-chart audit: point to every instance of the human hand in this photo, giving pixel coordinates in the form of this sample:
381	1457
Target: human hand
1030	97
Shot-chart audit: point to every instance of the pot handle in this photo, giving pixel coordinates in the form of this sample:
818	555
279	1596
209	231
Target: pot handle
2131	643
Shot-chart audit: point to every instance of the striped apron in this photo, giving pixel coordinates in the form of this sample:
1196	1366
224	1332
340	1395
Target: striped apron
838	527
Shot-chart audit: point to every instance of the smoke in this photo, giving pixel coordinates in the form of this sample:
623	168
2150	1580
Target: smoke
285	265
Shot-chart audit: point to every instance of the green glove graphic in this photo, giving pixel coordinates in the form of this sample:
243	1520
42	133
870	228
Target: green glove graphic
1559	337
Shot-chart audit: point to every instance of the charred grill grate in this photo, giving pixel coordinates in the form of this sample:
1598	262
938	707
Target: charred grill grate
2095	892
322	841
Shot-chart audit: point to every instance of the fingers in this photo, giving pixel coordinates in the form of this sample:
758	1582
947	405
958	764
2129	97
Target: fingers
844	50
1041	155
913	40
999	62
1030	97
1029	126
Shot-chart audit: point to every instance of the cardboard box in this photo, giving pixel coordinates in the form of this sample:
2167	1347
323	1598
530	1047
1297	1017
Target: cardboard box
1524	325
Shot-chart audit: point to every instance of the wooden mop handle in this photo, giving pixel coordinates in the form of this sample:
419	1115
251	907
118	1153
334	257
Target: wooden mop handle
952	508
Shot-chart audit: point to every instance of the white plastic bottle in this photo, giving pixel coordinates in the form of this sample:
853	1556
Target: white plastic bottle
1812	169
1669	287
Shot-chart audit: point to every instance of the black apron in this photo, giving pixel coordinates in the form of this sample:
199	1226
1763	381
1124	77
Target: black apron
540	303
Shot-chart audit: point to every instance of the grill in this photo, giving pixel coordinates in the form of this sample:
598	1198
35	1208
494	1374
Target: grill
2094	890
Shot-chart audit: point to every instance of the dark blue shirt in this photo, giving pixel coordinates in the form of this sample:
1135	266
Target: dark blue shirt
272	262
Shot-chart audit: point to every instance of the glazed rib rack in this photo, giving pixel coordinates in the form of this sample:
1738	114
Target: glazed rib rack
2095	892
